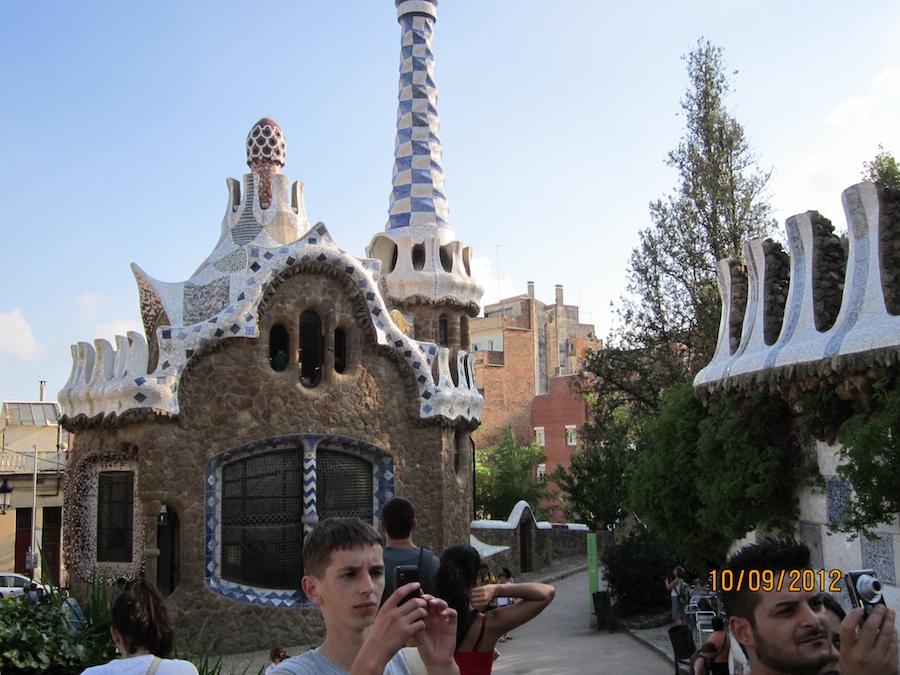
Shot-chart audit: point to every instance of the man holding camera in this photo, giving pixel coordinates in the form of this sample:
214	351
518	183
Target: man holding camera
783	631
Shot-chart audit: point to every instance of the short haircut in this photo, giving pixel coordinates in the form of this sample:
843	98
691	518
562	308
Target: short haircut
335	534
717	623
139	615
398	515
830	603
767	554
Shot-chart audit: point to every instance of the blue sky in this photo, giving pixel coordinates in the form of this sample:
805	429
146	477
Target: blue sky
121	122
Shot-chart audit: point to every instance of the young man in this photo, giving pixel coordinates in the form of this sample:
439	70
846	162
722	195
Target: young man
344	568
398	522
783	632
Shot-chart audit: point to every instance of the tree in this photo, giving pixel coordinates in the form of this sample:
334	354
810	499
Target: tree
668	324
883	169
594	483
505	474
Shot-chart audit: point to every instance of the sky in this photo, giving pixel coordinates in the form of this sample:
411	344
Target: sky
122	121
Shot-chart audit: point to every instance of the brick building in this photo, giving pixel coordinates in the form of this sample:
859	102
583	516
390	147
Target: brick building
525	353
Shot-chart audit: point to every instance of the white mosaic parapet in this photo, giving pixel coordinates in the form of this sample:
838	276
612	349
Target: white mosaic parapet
426	269
100	386
863	323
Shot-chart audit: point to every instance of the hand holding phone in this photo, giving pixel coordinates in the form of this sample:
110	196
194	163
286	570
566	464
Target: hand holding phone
404	574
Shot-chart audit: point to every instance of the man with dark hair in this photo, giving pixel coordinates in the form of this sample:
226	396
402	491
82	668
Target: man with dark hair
398	522
783	631
344	568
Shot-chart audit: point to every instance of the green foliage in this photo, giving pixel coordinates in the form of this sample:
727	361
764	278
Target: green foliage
505	474
635	570
42	638
594	485
708	477
883	169
871	462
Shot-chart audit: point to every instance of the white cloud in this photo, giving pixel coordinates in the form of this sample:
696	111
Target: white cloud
493	292
17	338
91	304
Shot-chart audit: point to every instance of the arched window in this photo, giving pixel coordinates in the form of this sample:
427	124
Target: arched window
278	347
418	256
442	331
340	350
446	252
312	349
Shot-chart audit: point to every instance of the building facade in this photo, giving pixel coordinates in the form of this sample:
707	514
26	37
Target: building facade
285	382
520	346
835	328
32	463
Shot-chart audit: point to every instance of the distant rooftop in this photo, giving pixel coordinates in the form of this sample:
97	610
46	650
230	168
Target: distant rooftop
29	414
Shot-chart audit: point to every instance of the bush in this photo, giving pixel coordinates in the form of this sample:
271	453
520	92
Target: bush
635	570
40	638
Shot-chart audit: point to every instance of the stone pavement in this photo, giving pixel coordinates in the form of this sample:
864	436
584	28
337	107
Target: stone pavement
563	639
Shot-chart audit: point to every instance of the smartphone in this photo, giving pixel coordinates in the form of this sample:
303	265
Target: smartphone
404	574
864	589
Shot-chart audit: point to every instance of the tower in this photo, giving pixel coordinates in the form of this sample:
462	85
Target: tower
426	271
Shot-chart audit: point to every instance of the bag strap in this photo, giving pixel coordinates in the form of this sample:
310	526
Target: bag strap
154	665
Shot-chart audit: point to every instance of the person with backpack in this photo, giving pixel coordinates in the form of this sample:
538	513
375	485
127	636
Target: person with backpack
678	589
398	522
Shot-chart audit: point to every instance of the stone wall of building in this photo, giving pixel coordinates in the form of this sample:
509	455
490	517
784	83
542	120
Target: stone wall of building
231	396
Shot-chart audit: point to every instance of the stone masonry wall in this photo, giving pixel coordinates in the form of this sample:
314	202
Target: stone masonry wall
232	396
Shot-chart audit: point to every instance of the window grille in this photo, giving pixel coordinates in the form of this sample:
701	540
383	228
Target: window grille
262	519
115	516
343	485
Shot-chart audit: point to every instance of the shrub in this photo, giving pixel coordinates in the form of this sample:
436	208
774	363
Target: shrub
635	570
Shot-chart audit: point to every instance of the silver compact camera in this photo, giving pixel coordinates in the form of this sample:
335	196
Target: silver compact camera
865	590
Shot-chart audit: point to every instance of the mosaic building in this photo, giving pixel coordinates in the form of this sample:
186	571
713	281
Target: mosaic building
284	382
820	319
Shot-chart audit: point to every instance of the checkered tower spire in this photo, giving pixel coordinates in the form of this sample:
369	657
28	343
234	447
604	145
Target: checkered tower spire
426	272
418	206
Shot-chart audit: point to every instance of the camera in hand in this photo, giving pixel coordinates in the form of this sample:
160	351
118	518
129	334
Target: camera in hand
404	574
864	589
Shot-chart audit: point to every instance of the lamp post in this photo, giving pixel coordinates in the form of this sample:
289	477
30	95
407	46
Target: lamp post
5	495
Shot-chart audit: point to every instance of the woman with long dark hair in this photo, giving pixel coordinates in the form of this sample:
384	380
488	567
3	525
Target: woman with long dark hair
477	631
143	635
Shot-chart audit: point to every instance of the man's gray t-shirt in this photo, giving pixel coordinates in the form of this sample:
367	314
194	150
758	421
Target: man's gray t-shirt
314	662
394	557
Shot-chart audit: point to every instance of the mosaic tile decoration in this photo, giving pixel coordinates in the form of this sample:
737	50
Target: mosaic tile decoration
90	391
863	323
382	490
417	197
878	555
811	535
838	493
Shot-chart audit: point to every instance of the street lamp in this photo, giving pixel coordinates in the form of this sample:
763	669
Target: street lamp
5	494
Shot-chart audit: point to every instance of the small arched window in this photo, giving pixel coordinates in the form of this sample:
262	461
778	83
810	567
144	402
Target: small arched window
442	331
312	349
418	256
340	350
278	347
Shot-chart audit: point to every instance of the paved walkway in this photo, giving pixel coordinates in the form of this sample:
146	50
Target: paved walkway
563	639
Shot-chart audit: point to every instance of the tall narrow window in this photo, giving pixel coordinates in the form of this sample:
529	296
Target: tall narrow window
539	437
442	331
115	516
418	256
312	349
278	347
571	435
340	350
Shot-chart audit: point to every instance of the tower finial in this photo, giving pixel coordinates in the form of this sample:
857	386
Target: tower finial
418	205
266	149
